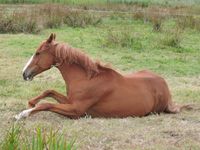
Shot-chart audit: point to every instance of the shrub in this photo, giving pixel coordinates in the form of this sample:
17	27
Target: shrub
52	15
140	3
44	16
152	15
157	23
155	17
123	38
55	15
139	15
53	22
81	19
18	22
172	38
192	22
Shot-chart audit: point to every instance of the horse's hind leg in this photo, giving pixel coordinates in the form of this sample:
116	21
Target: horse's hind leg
172	108
48	93
69	110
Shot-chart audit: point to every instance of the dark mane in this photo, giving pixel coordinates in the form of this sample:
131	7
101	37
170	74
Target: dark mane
74	55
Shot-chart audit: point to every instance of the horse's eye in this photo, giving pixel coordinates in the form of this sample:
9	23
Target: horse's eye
37	54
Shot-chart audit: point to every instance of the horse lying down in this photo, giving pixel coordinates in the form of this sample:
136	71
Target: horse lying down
94	89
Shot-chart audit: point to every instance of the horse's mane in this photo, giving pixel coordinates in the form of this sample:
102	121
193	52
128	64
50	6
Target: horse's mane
75	56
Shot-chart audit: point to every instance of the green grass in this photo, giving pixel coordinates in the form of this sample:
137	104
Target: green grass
74	2
16	138
86	2
143	49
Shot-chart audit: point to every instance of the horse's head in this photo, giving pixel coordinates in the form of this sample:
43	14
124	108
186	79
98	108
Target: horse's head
42	60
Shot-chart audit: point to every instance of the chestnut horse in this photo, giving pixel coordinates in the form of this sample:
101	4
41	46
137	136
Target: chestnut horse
94	89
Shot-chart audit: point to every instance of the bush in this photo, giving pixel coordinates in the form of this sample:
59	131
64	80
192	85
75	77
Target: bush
151	15
52	15
139	15
81	19
123	38
53	22
188	22
18	22
44	16
157	24
172	38
56	16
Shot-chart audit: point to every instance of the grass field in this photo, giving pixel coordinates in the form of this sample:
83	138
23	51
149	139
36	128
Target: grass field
128	44
144	3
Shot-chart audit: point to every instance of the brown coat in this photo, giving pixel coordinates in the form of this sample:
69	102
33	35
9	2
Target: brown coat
94	89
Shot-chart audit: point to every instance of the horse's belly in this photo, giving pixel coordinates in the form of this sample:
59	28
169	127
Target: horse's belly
121	106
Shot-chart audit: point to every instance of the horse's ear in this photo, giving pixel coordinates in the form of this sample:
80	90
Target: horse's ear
51	38
54	36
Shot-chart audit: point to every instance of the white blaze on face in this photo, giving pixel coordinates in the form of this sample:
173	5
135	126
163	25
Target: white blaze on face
28	63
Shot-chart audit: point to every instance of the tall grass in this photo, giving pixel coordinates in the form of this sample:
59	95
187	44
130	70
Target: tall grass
11	141
33	18
143	3
55	1
172	38
192	22
18	22
44	16
81	19
15	139
123	38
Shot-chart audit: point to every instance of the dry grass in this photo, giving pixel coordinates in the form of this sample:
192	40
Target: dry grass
18	22
180	131
192	22
123	38
32	19
172	38
181	70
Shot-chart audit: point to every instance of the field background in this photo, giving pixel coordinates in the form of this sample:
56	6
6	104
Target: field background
162	36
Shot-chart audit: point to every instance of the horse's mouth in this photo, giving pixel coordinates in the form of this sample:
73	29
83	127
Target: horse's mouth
28	77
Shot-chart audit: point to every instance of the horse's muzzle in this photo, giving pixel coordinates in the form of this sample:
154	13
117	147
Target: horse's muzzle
27	77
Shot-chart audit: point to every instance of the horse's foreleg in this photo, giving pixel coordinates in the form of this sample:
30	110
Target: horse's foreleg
48	93
69	110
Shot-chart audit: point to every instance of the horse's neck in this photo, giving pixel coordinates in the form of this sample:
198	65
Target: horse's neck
72	73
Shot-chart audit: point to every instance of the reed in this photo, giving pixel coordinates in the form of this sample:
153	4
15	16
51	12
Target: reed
15	139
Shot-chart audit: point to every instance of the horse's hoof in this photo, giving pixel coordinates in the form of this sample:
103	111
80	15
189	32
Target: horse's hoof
17	117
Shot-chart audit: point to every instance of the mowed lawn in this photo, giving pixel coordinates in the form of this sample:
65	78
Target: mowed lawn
179	65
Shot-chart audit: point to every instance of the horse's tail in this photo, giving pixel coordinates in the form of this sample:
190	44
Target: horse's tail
186	107
173	108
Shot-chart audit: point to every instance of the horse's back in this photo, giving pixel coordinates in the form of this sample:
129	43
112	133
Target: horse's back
135	94
142	74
